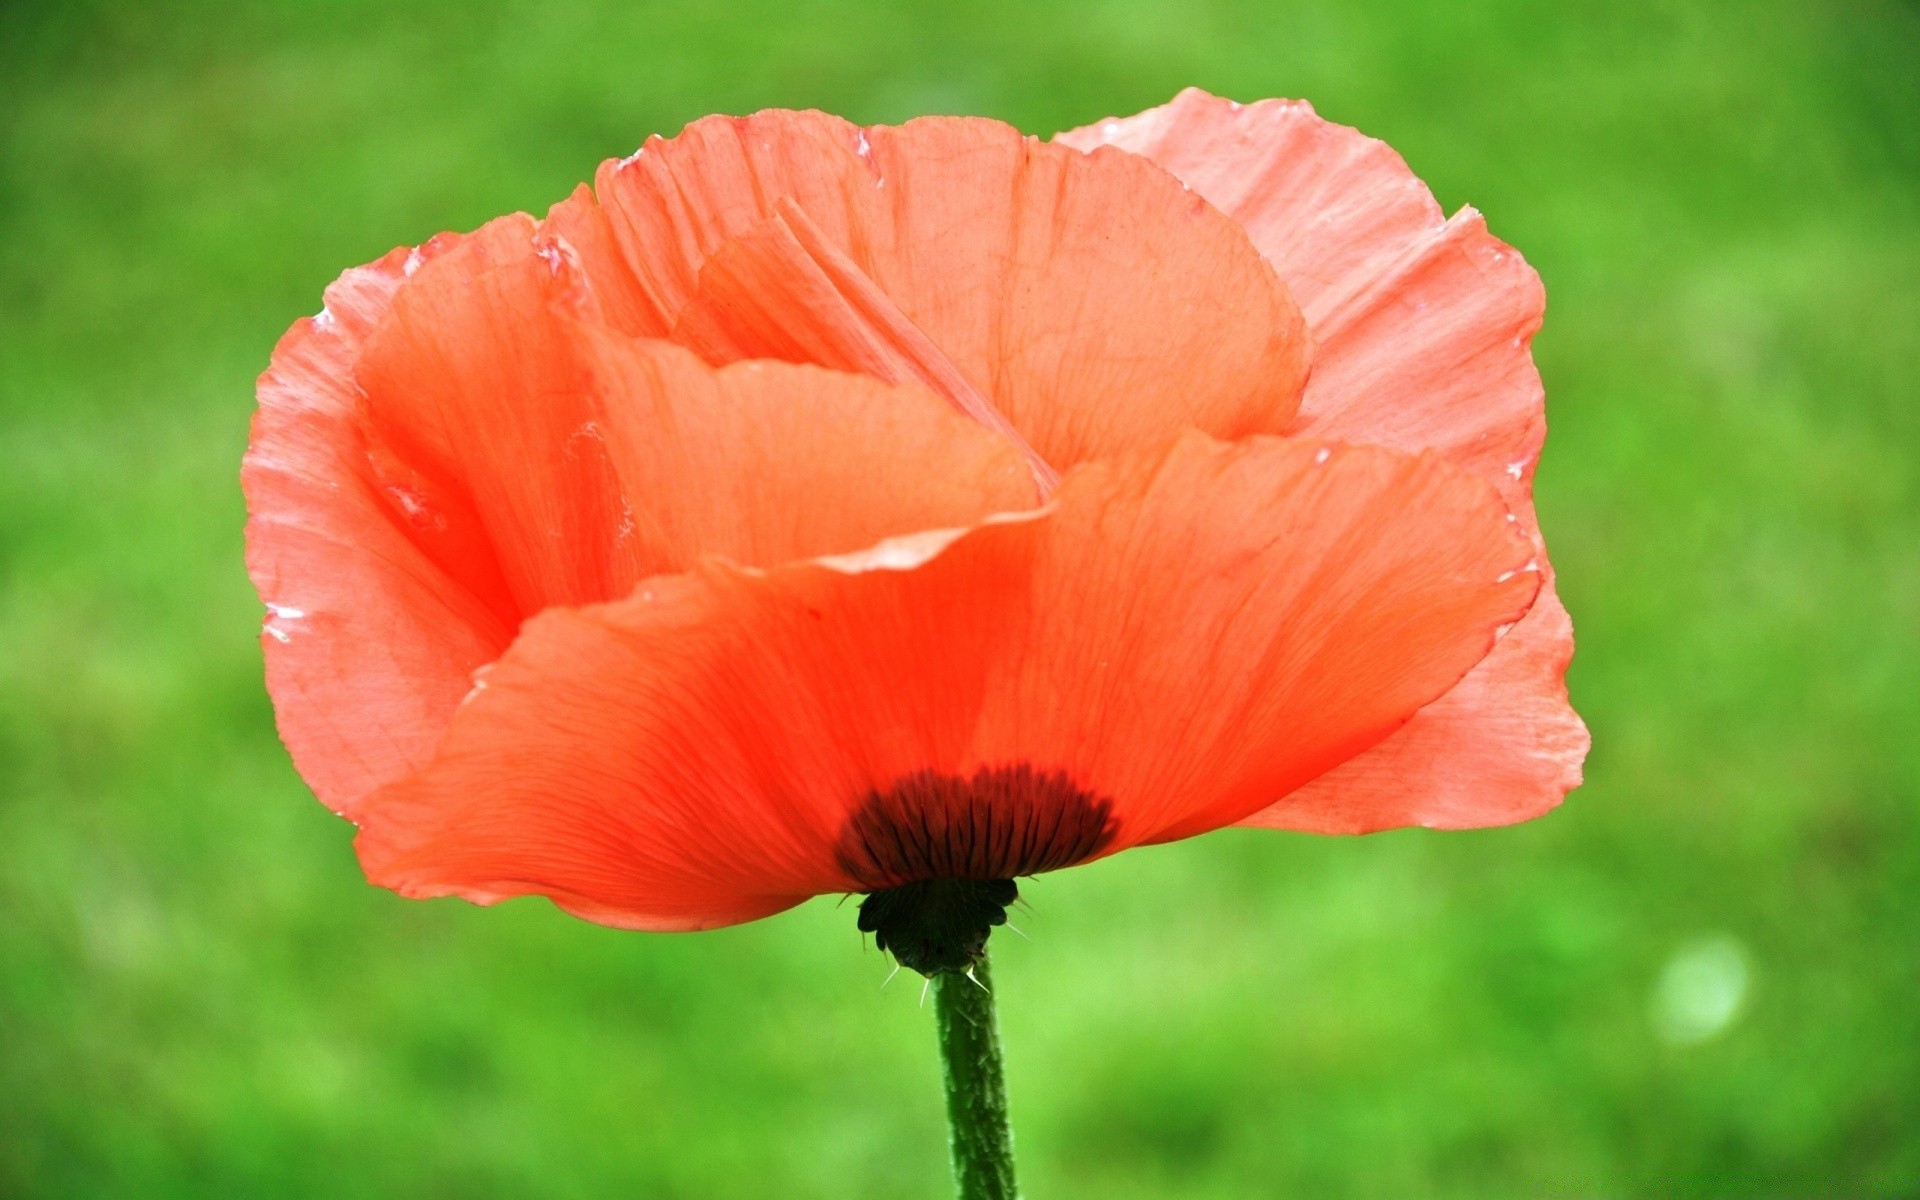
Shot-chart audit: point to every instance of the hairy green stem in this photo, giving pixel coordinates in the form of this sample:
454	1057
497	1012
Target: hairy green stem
976	1085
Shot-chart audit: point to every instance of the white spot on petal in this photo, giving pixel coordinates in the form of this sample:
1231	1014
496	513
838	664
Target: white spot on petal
587	433
908	551
894	554
1321	455
559	256
409	503
415	509
479	684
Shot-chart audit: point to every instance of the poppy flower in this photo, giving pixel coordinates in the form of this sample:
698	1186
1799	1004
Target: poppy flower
809	508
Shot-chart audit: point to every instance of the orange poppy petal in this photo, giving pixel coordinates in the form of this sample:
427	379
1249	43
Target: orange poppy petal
1097	304
369	645
782	291
1179	638
1420	324
764	462
1504	746
1327	205
612	296
477	411
1422	328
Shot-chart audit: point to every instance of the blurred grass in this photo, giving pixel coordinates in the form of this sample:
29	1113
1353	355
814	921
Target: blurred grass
200	997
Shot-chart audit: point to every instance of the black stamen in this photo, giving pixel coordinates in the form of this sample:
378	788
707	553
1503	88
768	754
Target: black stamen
937	855
937	925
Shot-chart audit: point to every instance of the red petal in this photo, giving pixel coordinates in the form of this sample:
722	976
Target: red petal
612	294
764	462
1512	746
477	408
434	458
1092	300
782	291
369	644
1422	329
1328	206
1182	635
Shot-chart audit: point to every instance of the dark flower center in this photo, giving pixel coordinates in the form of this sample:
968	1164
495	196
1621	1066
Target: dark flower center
937	855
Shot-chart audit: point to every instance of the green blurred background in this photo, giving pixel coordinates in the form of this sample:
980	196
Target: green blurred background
1699	977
